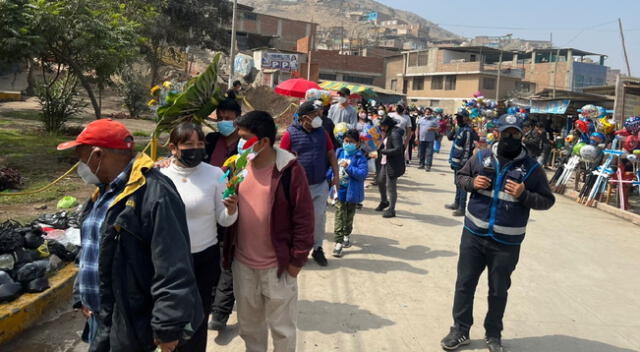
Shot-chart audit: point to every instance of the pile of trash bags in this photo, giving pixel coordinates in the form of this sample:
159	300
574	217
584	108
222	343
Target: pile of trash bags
29	254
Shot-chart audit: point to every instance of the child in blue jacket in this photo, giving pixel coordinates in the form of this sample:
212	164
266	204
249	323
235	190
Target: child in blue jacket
353	170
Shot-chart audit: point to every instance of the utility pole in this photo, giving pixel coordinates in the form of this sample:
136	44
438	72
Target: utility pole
498	80
232	53
555	68
624	47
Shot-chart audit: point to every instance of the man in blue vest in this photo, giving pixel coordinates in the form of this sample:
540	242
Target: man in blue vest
312	144
505	184
461	151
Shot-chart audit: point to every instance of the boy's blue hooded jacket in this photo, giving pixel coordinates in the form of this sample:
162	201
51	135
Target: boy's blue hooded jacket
357	171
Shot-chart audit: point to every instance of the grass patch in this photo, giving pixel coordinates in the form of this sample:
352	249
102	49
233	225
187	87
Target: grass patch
39	163
141	134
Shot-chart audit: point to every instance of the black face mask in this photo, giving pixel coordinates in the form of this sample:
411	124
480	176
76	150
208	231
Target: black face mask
191	157
509	148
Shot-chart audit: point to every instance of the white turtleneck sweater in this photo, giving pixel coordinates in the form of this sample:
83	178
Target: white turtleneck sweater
201	192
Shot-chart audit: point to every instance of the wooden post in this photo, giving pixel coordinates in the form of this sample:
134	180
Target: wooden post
624	48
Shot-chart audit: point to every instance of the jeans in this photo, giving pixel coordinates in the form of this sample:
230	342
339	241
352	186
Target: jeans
206	266
388	188
345	212
319	194
425	153
437	143
476	254
461	194
412	143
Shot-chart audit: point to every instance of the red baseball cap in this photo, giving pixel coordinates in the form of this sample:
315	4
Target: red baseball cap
104	133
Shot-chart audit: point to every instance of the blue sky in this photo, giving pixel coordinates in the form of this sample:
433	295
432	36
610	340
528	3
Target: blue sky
588	25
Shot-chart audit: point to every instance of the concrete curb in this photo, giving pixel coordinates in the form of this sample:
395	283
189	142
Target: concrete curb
627	215
28	309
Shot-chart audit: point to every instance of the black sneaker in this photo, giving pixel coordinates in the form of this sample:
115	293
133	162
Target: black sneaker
218	322
318	256
421	167
389	214
451	206
454	340
494	344
458	212
428	168
382	206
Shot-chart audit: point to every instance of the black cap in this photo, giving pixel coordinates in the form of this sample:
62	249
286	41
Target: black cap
388	121
308	107
509	121
344	91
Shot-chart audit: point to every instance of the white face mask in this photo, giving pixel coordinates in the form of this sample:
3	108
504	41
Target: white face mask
316	122
342	100
85	173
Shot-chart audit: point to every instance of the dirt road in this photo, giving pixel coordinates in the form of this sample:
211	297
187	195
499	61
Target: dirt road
575	289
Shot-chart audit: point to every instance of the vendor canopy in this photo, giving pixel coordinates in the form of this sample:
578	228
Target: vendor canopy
354	88
558	107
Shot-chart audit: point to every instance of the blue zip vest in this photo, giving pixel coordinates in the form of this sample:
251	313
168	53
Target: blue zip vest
494	213
311	150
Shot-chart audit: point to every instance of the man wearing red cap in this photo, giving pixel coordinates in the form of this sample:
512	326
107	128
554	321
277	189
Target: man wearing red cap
135	285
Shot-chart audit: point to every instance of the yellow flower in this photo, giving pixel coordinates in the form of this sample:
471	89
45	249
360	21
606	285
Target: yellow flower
166	84
230	161
152	102
155	90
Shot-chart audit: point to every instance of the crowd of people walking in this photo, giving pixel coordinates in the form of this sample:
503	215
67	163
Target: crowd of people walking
163	251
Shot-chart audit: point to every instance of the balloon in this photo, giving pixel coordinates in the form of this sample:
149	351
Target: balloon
598	135
589	153
602	112
631	143
632	157
582	126
477	94
632	124
590	111
491	138
340	129
607	126
569	139
578	147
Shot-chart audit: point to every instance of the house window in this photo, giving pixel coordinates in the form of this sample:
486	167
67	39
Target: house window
357	79
434	103
524	87
328	76
418	83
473	58
450	83
423	58
394	84
489	83
251	16
436	82
413	59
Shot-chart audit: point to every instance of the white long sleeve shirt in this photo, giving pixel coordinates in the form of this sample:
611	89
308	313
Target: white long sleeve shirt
201	192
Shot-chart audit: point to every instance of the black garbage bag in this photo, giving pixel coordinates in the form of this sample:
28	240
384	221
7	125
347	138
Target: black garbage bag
61	251
31	271
24	255
55	264
36	285
10	291
5	278
33	239
60	220
10	241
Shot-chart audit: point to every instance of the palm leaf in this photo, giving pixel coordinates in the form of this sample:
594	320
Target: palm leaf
198	100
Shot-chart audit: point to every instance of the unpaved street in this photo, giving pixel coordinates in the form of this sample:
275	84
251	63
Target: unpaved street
575	288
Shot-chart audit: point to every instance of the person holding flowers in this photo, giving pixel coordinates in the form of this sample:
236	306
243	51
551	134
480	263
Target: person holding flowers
200	187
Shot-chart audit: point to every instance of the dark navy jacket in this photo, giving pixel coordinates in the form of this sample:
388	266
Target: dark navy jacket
493	212
462	147
311	150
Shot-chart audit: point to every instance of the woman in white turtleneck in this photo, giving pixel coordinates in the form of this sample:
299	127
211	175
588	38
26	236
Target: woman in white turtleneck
200	187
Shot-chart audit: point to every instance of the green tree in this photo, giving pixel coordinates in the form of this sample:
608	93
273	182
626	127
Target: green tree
182	24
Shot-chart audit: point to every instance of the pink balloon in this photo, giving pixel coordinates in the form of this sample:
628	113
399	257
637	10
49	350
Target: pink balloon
477	94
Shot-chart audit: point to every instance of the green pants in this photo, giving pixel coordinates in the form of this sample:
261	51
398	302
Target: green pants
344	220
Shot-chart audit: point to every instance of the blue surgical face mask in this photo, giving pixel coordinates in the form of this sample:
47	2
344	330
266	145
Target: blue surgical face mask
226	128
349	148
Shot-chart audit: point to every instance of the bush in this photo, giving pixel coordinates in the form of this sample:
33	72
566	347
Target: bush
60	102
9	178
133	91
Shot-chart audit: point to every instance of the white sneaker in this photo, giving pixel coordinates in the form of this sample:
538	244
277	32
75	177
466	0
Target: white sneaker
347	241
337	250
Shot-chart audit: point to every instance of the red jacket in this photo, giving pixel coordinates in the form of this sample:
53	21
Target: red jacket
292	223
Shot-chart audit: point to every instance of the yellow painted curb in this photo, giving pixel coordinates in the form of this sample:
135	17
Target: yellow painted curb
25	311
10	96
